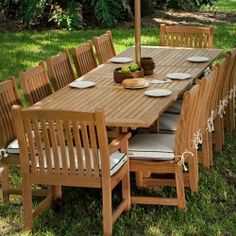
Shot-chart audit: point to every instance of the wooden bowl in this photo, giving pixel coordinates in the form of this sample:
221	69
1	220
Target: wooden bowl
120	76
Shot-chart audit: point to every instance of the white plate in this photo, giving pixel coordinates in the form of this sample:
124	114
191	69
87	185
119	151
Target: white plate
158	92
82	84
198	59
145	84
178	75
121	59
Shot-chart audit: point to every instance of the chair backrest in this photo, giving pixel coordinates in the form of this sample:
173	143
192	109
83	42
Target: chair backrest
8	97
35	84
60	70
186	36
104	47
222	68
63	144
84	58
230	73
188	121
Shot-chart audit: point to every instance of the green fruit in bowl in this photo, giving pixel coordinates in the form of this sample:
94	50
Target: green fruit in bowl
133	67
125	69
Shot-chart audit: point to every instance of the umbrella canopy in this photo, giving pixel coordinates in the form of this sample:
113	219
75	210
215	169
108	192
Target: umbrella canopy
137	22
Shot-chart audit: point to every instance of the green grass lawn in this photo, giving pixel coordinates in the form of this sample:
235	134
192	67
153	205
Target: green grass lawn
225	5
22	50
210	212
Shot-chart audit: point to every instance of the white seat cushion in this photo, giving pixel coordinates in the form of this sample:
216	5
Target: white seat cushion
152	146
13	147
117	160
175	107
168	121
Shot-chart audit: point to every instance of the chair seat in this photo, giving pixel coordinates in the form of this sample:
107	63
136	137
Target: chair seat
117	160
13	147
168	121
152	146
175	107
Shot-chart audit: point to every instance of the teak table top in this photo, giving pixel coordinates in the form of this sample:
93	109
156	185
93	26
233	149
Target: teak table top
126	107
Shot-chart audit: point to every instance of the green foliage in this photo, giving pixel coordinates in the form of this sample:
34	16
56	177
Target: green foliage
70	18
31	9
1	5
107	11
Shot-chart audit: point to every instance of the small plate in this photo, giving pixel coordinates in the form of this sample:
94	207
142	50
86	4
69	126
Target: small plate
178	75
158	92
82	84
121	60
198	59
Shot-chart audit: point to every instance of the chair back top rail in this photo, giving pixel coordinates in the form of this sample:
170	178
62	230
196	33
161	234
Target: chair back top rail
84	58
186	36
35	84
104	47
60	70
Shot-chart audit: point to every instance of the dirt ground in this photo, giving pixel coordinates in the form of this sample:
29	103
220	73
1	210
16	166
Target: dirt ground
194	18
159	17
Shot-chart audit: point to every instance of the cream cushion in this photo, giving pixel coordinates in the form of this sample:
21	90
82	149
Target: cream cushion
13	147
152	146
117	160
168	121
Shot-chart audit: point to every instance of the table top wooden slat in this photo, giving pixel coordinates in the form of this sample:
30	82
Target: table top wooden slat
126	107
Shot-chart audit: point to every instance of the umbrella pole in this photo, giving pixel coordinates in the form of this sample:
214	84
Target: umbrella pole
137	20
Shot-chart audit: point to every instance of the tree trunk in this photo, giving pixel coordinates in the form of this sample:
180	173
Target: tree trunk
147	7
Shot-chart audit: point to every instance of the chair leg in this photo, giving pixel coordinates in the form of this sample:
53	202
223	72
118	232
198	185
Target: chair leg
207	150
179	179
27	203
5	183
218	135
126	191
57	197
193	173
107	207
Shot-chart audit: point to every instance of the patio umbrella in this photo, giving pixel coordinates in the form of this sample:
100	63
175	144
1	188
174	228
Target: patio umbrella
137	22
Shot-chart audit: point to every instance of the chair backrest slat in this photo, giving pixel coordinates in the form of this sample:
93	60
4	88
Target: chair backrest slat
60	70
35	84
8	97
104	47
186	36
84	58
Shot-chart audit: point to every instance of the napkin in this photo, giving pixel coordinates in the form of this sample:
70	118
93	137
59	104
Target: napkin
158	81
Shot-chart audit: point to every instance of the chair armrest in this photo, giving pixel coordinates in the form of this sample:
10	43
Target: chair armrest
119	143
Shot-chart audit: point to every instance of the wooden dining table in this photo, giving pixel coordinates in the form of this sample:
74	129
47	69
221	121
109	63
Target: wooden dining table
131	107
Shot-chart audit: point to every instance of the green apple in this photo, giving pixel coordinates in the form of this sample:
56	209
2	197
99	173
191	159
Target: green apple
125	69
133	67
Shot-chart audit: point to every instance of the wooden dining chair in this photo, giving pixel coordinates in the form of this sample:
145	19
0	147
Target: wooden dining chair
186	36
69	148
9	153
35	84
104	47
156	154
9	147
84	58
60	70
